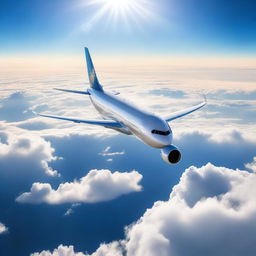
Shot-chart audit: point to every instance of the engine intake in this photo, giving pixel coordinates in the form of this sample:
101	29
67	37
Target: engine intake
171	154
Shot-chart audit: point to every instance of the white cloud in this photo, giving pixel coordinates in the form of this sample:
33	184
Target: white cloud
106	152
26	151
154	91
60	251
252	165
111	249
96	186
3	228
70	210
211	211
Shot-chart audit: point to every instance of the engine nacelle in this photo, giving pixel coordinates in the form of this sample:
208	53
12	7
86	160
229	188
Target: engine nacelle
171	154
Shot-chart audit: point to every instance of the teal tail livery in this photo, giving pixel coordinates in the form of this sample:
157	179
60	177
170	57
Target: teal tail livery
94	83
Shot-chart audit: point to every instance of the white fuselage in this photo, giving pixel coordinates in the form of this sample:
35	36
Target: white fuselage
146	126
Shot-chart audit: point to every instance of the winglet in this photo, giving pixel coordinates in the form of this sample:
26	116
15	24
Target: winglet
205	98
94	83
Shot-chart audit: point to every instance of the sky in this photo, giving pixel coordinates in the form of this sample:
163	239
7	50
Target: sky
71	189
172	27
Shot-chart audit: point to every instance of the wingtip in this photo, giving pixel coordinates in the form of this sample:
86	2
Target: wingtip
205	99
35	113
38	114
204	96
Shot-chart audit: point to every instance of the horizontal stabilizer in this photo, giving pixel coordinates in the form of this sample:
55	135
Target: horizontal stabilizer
185	112
106	123
79	92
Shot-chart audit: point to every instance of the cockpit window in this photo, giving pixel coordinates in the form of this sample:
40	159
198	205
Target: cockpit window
161	132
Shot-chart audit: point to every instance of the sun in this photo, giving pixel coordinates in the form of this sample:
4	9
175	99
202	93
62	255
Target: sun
115	12
119	4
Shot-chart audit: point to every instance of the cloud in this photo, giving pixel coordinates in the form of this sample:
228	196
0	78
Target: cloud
32	124
212	210
3	228
70	210
15	107
106	152
143	85
96	186
25	152
252	165
166	92
112	249
60	251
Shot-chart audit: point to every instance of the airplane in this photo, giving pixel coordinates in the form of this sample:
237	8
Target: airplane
125	117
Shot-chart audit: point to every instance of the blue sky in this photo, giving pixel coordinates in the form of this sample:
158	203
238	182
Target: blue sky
172	27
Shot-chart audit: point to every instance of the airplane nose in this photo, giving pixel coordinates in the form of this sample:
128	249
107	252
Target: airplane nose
165	140
169	139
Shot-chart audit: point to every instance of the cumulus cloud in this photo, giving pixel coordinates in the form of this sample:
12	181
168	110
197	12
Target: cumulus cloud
96	186
112	249
252	165
211	211
25	151
3	228
61	250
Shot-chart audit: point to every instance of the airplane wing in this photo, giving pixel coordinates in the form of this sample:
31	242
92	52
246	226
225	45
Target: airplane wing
72	91
185	112
105	123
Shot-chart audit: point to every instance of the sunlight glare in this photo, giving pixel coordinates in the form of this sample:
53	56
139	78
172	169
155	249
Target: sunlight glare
116	11
120	4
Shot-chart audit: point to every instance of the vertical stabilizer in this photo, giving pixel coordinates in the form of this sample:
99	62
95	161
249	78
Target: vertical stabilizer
94	83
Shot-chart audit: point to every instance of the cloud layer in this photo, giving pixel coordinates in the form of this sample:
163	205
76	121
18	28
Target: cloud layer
212	209
29	146
96	186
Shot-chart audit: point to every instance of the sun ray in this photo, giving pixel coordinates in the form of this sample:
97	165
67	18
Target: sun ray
120	12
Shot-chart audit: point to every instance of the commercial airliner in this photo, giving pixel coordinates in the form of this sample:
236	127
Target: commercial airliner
124	117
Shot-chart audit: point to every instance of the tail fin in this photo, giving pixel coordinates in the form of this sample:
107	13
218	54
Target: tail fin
94	83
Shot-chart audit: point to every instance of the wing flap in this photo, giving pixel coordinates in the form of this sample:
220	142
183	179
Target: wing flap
185	112
106	123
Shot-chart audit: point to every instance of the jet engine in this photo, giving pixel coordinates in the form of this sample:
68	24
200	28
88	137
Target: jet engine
171	154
